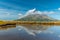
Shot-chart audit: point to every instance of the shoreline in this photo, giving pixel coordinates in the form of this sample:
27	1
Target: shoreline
29	22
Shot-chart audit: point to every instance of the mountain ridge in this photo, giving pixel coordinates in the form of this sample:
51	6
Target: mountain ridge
36	17
33	15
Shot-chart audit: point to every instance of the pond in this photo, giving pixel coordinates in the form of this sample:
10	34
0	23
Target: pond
30	32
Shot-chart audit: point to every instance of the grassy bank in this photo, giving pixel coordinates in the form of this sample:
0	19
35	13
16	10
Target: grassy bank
29	22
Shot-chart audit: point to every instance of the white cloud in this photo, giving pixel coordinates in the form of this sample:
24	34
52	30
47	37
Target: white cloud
48	12
44	12
51	12
34	11
20	14
30	11
8	14
58	8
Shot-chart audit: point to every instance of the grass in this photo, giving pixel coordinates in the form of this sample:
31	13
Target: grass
30	22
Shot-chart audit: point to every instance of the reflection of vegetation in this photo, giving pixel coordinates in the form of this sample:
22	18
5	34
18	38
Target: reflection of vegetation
35	27
34	22
7	27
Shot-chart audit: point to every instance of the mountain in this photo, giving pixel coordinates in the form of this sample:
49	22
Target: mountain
36	17
33	15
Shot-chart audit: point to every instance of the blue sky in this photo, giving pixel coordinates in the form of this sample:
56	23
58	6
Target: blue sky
12	9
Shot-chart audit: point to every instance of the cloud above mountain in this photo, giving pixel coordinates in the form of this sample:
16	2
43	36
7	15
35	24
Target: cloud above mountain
14	14
34	11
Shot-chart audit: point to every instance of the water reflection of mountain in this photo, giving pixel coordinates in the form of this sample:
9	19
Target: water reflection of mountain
7	27
36	27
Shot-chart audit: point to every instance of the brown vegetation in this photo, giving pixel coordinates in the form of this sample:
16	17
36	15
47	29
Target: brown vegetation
29	22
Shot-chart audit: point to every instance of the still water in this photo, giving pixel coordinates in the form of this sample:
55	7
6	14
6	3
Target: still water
30	32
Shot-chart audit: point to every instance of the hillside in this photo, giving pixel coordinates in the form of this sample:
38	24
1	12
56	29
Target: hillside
36	17
33	15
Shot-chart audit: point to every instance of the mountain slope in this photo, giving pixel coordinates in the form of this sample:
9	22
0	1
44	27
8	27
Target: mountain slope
36	17
33	15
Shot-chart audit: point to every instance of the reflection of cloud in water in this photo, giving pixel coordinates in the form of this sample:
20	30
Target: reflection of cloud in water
35	29
59	36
